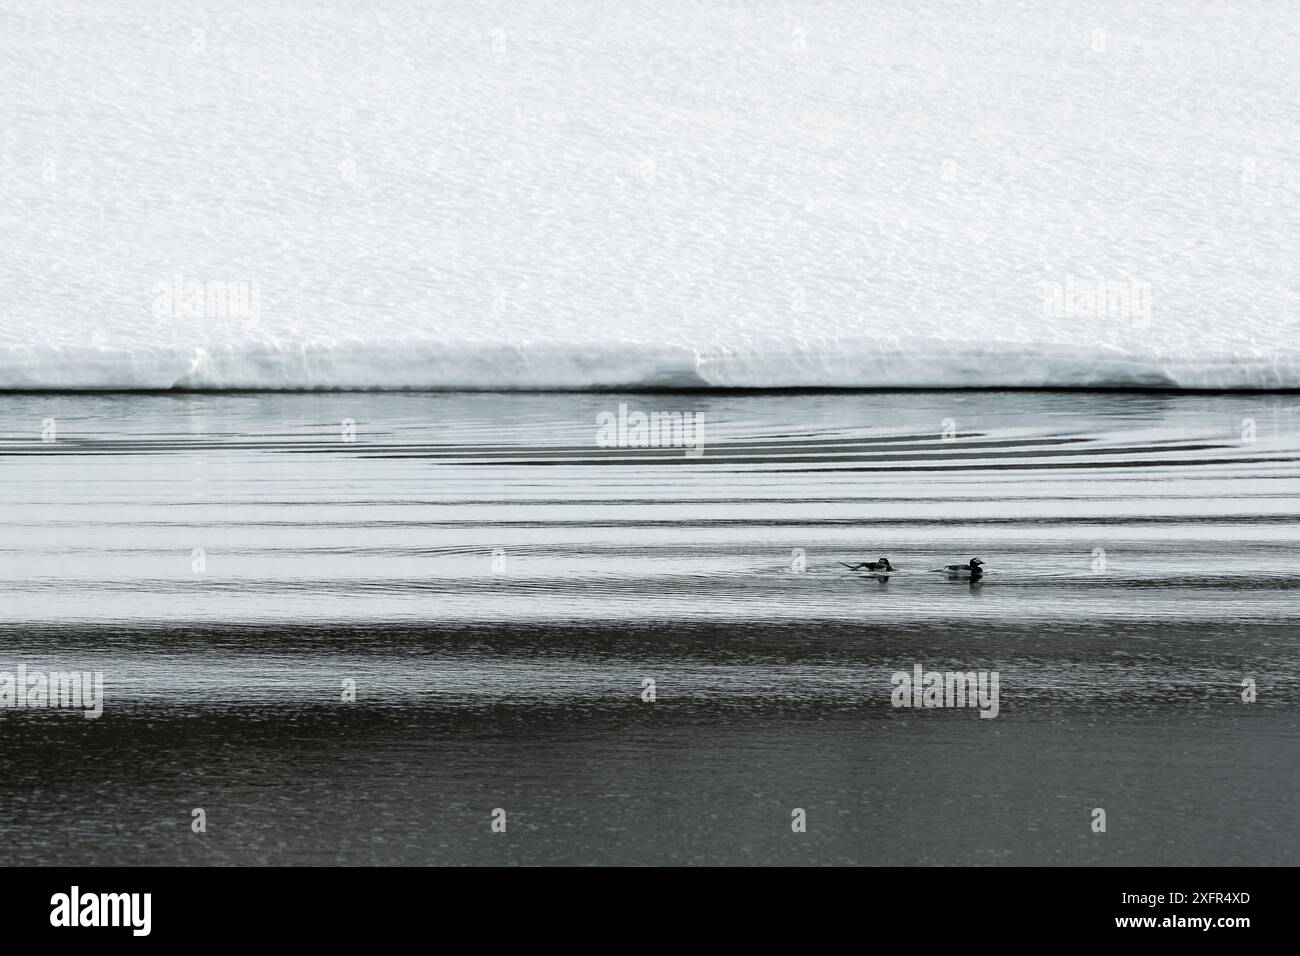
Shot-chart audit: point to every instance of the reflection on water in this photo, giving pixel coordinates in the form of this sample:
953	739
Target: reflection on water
499	587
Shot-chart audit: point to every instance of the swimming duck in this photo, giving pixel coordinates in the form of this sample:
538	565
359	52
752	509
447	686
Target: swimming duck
881	565
965	572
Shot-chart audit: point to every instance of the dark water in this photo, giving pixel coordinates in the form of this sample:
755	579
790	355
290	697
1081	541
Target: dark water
497	589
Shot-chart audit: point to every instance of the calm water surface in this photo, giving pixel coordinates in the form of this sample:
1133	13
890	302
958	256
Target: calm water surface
499	588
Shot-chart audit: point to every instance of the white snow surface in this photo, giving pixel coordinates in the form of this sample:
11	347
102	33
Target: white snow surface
679	193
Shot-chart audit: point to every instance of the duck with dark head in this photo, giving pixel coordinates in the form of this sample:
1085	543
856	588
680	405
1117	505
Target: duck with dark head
879	565
965	572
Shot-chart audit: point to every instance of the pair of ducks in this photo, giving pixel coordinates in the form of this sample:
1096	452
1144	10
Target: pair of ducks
962	572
